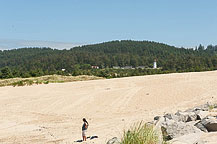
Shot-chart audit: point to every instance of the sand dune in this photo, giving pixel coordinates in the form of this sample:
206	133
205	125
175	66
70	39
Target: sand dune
53	113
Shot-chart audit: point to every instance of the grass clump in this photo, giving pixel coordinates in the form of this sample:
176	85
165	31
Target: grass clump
23	83
46	82
39	82
211	107
140	134
19	83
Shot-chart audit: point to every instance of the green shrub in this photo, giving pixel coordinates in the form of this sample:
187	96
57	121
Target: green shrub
19	83
211	107
30	82
14	84
46	82
38	82
140	134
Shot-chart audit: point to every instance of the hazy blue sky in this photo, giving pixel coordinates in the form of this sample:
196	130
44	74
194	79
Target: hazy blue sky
176	22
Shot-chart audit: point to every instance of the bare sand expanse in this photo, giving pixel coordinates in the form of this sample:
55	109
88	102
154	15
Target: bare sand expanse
53	113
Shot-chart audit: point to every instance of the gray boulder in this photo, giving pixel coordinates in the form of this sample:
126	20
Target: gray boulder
173	129
157	129
200	126
182	116
193	138
157	118
114	140
171	117
176	129
202	114
208	124
186	116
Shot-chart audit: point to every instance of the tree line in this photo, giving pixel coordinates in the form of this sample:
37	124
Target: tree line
32	62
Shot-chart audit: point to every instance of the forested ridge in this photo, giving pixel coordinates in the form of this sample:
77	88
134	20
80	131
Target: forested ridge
26	62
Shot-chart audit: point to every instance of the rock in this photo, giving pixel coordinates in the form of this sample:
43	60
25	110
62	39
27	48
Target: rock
200	126
157	129
171	117
186	116
202	114
114	140
193	138
156	118
172	129
182	116
176	129
209	123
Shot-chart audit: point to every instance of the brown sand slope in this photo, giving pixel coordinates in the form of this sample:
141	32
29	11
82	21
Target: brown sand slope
53	113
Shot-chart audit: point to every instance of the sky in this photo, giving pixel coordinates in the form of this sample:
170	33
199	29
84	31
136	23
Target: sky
186	23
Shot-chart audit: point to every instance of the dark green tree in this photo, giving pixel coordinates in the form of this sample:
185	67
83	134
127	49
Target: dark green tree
6	73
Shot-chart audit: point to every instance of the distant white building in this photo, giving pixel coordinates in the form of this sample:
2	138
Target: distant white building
95	67
155	64
127	67
140	67
116	67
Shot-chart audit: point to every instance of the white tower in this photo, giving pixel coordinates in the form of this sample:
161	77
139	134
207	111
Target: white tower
155	64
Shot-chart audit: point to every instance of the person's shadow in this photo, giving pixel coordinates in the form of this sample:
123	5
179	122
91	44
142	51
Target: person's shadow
93	137
90	137
78	141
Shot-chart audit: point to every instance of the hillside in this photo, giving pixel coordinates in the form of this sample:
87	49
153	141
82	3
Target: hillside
27	62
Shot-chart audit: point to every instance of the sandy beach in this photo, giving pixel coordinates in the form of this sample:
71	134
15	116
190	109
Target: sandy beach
53	113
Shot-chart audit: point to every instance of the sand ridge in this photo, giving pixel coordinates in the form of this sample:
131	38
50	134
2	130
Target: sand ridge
53	113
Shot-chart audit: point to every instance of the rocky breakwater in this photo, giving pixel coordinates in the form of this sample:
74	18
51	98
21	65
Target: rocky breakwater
188	127
193	126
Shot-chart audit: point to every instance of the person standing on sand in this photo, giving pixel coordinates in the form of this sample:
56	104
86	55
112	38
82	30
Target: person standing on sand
84	129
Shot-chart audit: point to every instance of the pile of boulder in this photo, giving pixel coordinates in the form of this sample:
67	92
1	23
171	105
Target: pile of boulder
185	127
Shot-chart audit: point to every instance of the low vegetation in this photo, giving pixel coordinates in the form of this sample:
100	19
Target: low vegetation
44	80
212	107
140	134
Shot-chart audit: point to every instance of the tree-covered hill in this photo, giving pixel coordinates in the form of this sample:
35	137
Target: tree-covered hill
27	62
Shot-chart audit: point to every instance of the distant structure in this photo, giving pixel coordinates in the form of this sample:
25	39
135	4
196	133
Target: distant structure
95	67
63	70
141	67
127	67
116	67
155	64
